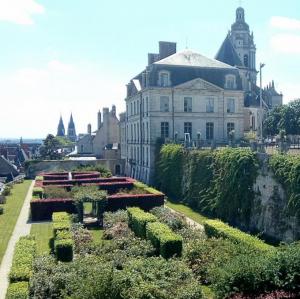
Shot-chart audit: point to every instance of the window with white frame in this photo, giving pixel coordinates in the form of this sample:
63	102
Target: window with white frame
230	128
230	105
164	130
164	79
209	131
230	82
210	105
187	104
188	128
164	104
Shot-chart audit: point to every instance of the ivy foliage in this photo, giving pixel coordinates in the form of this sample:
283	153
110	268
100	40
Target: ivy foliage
170	169
218	183
287	172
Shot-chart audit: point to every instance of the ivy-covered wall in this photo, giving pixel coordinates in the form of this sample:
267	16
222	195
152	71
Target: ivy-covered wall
256	193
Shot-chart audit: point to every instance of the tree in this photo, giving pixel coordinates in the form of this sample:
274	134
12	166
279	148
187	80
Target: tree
285	117
49	149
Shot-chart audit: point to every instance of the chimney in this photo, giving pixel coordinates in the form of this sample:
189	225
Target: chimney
89	129
166	49
152	57
99	119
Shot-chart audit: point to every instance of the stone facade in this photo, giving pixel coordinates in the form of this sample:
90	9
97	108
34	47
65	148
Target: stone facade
104	138
183	97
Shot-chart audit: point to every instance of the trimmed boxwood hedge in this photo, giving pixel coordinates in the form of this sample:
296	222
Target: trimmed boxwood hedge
217	228
21	269
18	290
138	219
38	192
64	249
60	226
60	216
164	239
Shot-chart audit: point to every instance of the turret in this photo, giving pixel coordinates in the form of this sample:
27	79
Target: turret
89	129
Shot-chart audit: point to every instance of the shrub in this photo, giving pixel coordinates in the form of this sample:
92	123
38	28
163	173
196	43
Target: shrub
56	192
164	239
60	216
216	228
60	226
38	192
174	220
1	209
83	239
21	269
18	290
7	190
64	249
39	178
63	235
138	220
146	188
110	219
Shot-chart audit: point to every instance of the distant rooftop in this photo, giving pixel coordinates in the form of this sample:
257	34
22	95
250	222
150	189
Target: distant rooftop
191	58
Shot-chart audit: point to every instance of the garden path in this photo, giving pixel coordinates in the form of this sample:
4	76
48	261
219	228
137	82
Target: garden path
190	221
22	228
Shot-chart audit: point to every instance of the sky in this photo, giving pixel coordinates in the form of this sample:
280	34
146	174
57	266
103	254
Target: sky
63	56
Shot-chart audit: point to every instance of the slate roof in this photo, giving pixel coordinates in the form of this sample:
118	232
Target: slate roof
192	59
7	168
227	53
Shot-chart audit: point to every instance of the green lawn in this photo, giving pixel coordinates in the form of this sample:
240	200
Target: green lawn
187	212
12	208
97	234
43	233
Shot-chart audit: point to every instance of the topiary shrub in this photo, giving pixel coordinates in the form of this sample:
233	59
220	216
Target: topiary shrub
38	192
219	229
64	249
60	226
60	216
18	290
138	219
21	269
164	239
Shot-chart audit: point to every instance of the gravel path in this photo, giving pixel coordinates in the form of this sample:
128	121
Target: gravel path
190	221
22	228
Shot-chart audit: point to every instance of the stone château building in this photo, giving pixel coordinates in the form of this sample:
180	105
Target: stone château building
105	138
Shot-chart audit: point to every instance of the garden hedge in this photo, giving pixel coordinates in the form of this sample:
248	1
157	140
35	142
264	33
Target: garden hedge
18	290
217	229
64	249
138	219
164	239
21	269
60	216
38	192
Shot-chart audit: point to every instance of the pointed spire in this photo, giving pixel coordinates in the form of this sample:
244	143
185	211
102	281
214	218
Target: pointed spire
71	129
60	127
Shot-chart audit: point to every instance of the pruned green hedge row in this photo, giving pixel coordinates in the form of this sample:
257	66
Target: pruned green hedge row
63	241
219	229
18	290
164	239
37	192
138	219
21	269
146	188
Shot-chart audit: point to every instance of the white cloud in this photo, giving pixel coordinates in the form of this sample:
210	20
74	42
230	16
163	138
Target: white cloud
19	11
286	43
34	97
285	23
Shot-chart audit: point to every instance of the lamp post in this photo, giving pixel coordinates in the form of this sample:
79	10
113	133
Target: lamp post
261	65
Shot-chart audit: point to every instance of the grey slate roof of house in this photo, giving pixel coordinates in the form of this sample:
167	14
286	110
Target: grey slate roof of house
7	168
192	59
227	53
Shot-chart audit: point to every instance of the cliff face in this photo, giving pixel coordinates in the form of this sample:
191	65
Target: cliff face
269	214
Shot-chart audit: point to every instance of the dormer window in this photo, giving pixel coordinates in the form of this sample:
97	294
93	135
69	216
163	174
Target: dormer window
164	79
230	82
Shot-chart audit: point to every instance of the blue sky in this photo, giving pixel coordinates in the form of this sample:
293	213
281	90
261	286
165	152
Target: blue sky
58	56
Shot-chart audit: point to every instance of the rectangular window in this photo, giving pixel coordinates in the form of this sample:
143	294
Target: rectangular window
209	131
164	104
134	108
164	130
164	79
230	128
210	105
230	106
188	129
187	104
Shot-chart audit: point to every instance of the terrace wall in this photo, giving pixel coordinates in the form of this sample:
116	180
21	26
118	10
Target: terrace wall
34	167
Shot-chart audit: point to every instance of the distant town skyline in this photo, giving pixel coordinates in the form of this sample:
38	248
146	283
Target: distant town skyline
61	57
